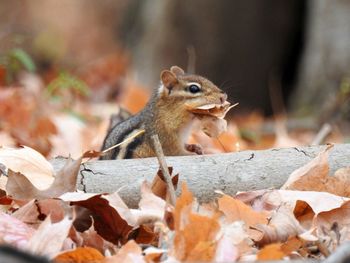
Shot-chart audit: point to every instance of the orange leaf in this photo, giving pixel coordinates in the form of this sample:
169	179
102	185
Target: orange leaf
271	252
80	254
185	200
194	233
235	210
130	252
198	234
314	176
292	244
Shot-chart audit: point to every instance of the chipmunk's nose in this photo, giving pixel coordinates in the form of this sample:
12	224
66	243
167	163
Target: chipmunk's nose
223	98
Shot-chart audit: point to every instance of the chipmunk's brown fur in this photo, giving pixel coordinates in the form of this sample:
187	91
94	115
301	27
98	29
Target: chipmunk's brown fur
166	114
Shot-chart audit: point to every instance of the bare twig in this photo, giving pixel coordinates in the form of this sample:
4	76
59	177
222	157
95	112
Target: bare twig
322	134
164	167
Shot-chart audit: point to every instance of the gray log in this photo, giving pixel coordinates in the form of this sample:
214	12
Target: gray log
230	172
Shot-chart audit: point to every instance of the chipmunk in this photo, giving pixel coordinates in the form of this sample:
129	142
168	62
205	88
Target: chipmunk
167	115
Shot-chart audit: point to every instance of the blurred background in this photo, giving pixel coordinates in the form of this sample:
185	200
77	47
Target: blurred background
66	66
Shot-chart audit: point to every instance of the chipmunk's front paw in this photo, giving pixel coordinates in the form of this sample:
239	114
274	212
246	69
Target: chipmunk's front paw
194	148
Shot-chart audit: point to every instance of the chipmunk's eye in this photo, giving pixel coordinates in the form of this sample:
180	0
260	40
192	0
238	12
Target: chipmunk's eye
194	88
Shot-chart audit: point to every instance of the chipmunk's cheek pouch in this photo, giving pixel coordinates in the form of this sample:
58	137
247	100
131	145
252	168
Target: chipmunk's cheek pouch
211	117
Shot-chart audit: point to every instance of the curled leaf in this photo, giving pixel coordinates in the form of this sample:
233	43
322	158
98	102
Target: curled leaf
216	110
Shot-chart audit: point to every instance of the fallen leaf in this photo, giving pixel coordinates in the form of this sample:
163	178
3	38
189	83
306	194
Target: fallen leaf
90	238
28	213
108	222
80	254
314	176
291	245
151	207
228	247
281	226
128	253
304	214
153	254
159	186
339	216
184	202
194	233
48	239
318	201
216	110
235	210
29	162
316	169
144	235
213	126
271	252
19	187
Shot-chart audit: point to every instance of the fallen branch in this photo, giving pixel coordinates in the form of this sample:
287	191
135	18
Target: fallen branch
231	172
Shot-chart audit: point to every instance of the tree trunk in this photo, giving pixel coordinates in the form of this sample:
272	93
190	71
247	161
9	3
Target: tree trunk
326	59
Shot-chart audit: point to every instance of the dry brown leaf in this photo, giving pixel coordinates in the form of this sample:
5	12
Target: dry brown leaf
213	126
304	214
229	247
80	254
310	176
271	252
29	162
194	233
318	201
236	210
144	235
130	252
159	186
34	212
281	226
314	176
19	187
153	254
339	216
197	236
90	238
48	239
28	213
151	207
54	208
343	181
291	245
108	222
216	110
184	202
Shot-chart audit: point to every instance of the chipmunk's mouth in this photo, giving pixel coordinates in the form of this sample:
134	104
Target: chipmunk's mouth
213	109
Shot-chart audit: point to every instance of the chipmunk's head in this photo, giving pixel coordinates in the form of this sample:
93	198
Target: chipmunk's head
194	90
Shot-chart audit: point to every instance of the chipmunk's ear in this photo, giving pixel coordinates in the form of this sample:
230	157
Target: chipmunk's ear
177	70
168	79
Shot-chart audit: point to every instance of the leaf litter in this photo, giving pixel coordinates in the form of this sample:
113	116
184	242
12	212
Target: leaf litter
307	218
